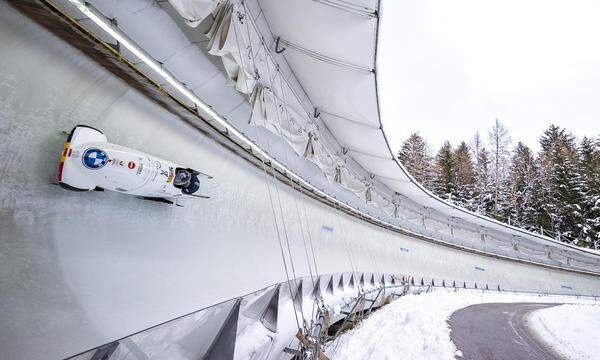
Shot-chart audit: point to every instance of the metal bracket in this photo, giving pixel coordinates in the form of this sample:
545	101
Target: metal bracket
277	49
316	113
288	350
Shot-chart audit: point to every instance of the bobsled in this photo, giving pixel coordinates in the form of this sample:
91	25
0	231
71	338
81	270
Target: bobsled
89	162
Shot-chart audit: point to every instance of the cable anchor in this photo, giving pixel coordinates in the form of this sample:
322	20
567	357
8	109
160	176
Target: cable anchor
316	113
277	49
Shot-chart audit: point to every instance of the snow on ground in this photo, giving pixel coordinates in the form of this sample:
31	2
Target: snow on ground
415	326
597	251
571	330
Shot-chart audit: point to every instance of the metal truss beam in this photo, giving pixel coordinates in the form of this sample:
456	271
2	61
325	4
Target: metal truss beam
322	57
349	7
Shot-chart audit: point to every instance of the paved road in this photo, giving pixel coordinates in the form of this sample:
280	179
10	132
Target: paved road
497	331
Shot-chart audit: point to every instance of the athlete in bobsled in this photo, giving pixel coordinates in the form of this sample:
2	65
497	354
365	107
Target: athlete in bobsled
89	162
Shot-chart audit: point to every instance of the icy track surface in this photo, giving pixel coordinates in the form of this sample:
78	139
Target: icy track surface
415	326
571	330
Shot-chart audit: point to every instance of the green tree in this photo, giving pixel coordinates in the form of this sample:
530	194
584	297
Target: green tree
561	181
483	195
524	189
445	181
589	169
499	141
414	155
465	176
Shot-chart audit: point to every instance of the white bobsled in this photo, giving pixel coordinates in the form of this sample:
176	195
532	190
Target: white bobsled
89	162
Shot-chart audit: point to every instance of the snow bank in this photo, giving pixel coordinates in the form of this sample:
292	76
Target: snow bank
571	330
415	326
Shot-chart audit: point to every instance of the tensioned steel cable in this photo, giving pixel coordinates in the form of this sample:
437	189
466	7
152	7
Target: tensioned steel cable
343	239
292	183
326	58
349	7
317	300
287	275
285	232
294	196
252	57
312	249
271	81
272	205
294	193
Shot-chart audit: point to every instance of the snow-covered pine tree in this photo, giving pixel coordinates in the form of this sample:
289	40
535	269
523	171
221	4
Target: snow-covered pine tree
476	145
523	188
499	141
414	155
589	169
562	183
444	184
539	194
465	176
483	194
559	191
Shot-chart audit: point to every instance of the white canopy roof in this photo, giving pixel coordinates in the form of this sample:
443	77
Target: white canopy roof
331	47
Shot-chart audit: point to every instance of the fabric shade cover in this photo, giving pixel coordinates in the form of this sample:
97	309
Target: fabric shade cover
229	39
194	11
271	113
274	106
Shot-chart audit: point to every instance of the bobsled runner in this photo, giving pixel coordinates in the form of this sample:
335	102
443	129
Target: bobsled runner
89	162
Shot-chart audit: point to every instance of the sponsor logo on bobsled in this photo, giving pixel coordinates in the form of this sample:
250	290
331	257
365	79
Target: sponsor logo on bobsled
94	158
116	161
171	174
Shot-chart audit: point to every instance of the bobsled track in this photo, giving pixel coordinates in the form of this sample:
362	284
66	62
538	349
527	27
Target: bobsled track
102	275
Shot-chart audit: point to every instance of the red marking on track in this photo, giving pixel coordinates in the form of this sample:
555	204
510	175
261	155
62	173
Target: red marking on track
60	170
131	165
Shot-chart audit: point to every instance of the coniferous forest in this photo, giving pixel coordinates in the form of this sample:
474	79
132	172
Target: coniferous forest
555	191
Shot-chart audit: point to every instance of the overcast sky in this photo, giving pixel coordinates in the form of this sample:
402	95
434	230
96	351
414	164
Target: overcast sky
449	68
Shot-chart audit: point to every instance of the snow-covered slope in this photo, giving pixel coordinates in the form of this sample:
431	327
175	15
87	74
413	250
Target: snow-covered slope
416	325
572	330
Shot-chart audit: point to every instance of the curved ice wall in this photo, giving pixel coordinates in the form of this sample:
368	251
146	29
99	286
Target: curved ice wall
82	269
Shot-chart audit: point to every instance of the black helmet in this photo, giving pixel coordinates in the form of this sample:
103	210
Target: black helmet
193	186
182	178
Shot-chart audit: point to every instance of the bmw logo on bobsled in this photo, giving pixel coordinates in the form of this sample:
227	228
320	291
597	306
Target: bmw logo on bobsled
94	158
89	162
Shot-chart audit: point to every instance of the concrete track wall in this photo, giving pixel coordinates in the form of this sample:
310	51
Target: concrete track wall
81	269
